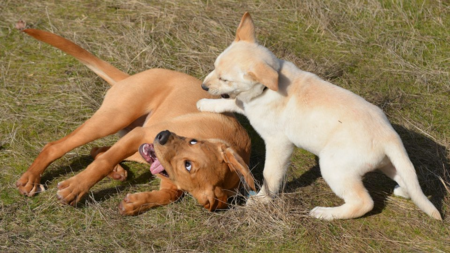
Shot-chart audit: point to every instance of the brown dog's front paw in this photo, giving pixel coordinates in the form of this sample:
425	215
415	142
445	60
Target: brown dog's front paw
71	191
29	184
133	204
118	173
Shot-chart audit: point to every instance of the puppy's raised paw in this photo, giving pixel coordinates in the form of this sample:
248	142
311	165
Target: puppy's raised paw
206	105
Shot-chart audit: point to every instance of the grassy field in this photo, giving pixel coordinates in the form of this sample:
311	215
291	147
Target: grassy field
395	54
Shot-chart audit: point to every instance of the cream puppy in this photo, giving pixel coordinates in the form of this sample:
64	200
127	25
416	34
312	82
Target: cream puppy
288	106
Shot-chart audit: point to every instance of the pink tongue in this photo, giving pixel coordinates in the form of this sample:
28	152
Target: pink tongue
156	167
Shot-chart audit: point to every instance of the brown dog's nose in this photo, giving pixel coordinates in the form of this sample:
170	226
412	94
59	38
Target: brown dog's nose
162	137
204	87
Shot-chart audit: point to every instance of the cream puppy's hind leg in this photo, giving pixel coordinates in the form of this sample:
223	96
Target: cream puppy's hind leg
357	201
346	185
276	164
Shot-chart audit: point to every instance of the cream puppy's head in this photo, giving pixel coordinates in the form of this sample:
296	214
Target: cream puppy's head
245	68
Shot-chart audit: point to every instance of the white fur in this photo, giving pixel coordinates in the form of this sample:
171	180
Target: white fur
350	135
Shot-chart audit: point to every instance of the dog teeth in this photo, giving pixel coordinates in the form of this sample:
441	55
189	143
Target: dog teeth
148	150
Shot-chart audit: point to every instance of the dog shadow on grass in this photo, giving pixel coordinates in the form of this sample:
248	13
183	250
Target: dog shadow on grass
429	158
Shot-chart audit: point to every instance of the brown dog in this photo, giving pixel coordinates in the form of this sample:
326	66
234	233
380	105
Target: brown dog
141	107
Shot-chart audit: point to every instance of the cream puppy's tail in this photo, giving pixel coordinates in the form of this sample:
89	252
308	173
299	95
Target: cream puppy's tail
405	169
105	70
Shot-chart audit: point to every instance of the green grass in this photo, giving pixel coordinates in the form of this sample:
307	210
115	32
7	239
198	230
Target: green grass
393	53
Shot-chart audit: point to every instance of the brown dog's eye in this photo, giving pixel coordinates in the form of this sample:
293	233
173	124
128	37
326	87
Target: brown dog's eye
188	165
193	141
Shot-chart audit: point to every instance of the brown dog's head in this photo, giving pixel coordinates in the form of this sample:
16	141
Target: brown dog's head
245	68
209	170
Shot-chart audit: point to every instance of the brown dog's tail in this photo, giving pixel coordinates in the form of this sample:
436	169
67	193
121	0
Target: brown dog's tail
105	70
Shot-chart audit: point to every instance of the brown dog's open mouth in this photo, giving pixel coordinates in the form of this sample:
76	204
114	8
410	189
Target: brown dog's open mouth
147	152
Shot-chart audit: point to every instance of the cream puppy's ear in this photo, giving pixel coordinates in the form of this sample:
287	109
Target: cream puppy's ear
246	29
264	74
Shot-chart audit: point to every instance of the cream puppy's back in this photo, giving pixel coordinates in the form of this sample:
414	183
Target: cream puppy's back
312	112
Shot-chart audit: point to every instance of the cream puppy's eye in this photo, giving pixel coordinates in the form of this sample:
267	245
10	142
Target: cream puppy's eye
223	80
188	166
193	141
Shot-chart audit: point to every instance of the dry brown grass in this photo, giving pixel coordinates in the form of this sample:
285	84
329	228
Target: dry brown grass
393	53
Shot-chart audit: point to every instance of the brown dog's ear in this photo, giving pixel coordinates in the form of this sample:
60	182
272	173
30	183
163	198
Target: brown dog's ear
246	29
237	164
264	74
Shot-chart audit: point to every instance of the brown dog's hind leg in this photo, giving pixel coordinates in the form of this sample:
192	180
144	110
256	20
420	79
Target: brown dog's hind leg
104	122
137	203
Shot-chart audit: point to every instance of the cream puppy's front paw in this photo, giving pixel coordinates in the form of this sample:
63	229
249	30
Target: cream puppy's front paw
206	105
259	199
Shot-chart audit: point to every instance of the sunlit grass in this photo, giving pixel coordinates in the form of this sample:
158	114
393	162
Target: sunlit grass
393	53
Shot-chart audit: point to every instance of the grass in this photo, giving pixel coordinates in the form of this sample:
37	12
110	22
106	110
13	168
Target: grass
393	53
